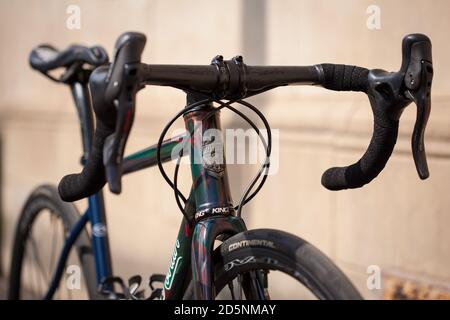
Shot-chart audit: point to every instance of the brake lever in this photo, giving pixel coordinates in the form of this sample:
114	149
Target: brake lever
422	100
123	84
418	79
114	147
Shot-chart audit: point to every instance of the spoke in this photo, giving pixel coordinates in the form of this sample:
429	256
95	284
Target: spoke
231	286
37	259
37	280
256	285
31	278
43	276
239	280
60	228
266	284
53	244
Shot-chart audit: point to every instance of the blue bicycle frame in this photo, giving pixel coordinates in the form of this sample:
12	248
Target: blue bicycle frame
95	213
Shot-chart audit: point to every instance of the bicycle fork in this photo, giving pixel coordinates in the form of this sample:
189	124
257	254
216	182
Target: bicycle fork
192	255
205	234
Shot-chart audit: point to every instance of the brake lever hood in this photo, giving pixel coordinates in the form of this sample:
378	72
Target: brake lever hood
418	68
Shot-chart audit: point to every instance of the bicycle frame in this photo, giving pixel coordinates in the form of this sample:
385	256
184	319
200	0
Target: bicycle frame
209	207
95	213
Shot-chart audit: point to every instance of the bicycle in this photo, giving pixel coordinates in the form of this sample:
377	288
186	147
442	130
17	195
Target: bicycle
244	258
78	63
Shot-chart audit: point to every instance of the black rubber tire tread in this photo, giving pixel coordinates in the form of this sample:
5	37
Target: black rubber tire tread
294	256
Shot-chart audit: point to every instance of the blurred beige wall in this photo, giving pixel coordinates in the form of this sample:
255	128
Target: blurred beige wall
397	222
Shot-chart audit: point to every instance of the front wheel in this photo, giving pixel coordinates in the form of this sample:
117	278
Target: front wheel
272	264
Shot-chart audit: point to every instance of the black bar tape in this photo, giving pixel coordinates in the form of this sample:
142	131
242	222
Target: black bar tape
78	186
385	130
340	77
369	166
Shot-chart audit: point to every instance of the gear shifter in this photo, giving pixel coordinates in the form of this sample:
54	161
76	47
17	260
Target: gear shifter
418	79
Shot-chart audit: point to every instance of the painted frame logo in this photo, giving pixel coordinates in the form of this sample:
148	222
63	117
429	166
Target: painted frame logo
212	155
173	267
251	243
99	230
238	262
212	212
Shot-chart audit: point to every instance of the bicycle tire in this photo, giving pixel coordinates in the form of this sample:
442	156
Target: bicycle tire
42	198
268	249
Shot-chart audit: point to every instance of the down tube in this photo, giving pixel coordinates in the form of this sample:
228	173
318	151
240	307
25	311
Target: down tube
100	241
178	274
177	277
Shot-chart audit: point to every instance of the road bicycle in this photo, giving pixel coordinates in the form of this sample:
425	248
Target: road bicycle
44	202
215	256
